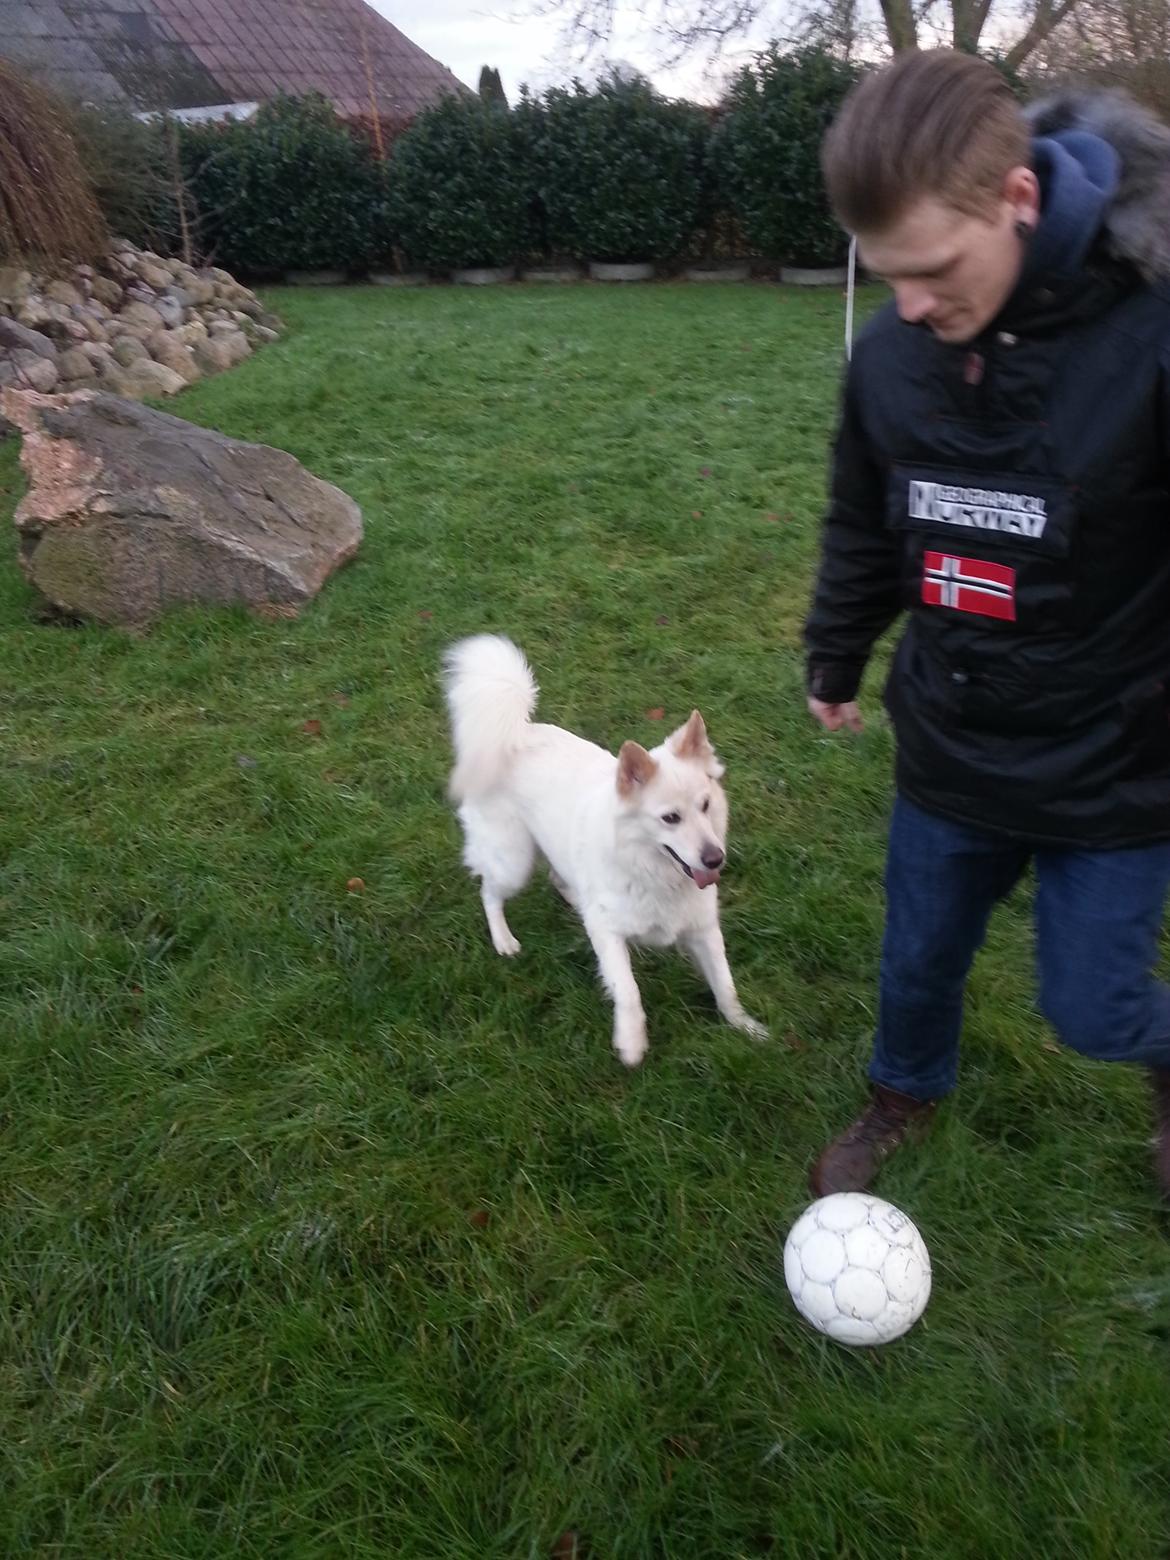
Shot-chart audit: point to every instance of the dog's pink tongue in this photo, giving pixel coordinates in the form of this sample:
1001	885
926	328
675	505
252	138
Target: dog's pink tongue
703	878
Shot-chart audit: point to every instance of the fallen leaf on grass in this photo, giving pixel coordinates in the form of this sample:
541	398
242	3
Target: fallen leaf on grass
656	714
355	886
312	728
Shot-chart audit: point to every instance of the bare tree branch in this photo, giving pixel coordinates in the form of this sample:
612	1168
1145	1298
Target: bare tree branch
968	18
706	28
1046	19
900	25
1124	43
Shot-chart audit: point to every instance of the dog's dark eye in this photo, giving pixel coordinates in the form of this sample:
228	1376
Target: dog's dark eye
706	803
672	817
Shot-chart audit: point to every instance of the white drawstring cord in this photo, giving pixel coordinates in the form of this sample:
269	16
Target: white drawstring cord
849	292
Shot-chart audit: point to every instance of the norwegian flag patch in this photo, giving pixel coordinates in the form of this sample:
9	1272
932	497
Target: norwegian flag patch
969	585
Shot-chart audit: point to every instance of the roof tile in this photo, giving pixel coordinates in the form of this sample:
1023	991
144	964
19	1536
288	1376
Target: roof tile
246	48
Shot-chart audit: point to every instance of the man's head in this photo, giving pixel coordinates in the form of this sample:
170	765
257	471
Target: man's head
929	164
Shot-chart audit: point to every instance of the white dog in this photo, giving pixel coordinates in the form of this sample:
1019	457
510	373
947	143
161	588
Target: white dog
634	843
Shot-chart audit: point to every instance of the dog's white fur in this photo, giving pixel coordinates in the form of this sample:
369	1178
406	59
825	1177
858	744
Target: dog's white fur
634	843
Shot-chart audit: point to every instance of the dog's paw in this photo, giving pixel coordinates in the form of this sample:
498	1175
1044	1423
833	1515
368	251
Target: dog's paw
750	1026
630	1045
507	946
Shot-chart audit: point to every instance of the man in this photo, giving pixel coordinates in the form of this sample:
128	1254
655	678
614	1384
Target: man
1001	475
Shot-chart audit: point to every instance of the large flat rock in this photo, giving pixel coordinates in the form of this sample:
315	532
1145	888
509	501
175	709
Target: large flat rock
131	511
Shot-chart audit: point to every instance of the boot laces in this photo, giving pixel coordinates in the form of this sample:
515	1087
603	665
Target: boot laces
883	1118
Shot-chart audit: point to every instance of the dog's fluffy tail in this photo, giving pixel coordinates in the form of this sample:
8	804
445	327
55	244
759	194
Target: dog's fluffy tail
491	694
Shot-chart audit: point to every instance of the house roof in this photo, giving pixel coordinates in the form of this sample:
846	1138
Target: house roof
153	54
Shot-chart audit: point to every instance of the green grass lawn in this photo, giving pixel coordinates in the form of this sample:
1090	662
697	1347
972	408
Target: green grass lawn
325	1231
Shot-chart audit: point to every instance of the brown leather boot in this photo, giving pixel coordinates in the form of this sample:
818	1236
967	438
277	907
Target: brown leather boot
1160	1084
852	1160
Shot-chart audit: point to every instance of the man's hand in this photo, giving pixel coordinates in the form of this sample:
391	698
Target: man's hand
833	716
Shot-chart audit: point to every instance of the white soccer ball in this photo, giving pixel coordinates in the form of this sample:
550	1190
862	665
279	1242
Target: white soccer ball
857	1268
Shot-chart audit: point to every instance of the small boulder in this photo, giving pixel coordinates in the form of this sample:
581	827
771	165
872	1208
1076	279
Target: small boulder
174	355
124	327
138	313
171	311
237	346
73	364
35	371
147	378
15	286
130	512
65	293
189	334
212	356
107	292
15	335
153	272
129	349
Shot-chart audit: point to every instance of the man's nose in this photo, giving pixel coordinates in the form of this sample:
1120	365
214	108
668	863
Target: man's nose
914	302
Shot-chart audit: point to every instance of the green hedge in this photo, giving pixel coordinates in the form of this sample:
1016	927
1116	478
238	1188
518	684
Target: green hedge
766	152
619	171
459	183
291	189
612	173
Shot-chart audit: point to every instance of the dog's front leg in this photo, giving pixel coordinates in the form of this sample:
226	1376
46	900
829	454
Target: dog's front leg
706	948
629	1021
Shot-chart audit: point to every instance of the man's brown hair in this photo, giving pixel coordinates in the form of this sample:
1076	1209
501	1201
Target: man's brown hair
935	123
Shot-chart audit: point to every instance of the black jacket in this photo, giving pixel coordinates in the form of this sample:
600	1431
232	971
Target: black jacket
1012	496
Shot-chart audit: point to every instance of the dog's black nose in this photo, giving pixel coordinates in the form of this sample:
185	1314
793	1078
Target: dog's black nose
713	858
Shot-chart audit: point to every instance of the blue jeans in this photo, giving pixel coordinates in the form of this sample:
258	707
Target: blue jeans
1098	916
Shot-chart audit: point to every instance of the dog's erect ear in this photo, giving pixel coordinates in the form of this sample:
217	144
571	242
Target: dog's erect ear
691	741
635	768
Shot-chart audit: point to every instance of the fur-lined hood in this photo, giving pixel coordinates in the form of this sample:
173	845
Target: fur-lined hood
1137	222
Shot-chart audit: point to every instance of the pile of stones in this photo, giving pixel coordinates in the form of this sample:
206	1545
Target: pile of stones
133	325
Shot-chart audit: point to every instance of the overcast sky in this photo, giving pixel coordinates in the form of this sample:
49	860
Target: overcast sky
465	34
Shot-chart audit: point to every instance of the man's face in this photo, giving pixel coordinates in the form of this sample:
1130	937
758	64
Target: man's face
950	270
